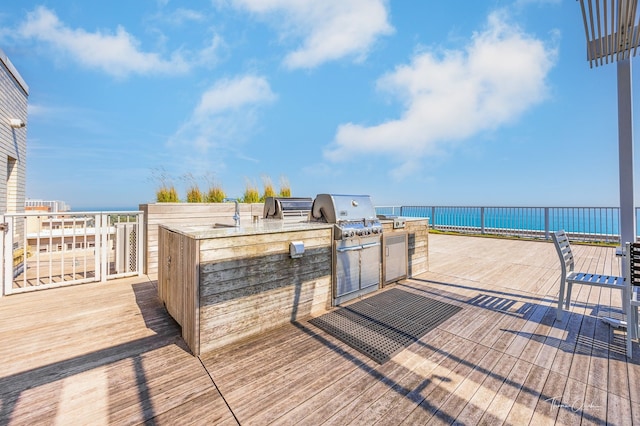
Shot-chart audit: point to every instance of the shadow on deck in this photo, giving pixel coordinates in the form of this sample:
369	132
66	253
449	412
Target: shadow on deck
109	353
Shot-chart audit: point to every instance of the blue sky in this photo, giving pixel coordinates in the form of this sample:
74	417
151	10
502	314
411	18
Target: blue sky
412	102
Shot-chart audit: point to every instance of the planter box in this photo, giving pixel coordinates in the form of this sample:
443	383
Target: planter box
187	214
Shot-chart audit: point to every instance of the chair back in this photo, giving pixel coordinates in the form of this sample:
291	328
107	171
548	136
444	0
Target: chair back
633	263
561	241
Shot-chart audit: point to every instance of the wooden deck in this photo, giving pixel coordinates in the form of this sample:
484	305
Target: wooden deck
109	354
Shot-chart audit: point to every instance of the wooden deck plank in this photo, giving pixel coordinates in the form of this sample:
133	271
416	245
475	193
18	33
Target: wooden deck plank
476	407
280	399
423	399
470	386
291	408
527	398
535	344
505	397
392	372
108	353
320	401
547	407
338	394
205	409
618	410
96	353
581	360
430	354
557	333
593	409
571	402
433	408
417	357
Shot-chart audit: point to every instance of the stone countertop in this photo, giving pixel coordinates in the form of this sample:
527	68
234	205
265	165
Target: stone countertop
262	226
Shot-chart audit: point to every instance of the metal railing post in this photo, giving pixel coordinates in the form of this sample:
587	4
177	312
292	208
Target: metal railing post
433	217
103	259
546	223
482	220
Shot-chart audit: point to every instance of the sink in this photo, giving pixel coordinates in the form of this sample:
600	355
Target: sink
223	225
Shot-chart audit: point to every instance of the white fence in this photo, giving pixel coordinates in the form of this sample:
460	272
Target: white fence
45	250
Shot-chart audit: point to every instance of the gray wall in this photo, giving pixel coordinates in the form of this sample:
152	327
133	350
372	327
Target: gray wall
13	142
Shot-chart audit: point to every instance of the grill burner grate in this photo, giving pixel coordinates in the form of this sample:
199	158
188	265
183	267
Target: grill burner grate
386	323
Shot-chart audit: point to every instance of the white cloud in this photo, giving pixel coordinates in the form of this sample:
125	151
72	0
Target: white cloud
329	29
181	15
453	96
232	95
209	56
226	114
115	53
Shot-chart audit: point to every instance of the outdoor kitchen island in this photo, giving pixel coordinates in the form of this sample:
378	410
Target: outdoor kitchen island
224	284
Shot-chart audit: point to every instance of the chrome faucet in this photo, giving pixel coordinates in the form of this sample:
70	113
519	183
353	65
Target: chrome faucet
236	216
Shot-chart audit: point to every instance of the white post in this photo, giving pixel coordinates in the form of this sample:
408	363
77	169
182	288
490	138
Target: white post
625	152
140	243
6	253
104	246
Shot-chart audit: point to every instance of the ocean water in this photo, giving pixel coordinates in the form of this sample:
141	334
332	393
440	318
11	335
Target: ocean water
579	220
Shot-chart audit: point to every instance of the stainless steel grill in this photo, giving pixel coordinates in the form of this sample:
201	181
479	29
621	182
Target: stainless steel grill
352	215
295	209
357	250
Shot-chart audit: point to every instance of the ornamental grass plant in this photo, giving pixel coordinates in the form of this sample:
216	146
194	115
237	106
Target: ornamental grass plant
285	188
194	195
251	194
215	195
167	194
268	188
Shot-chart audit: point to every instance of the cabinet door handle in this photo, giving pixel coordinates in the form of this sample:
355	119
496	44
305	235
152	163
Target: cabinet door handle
364	246
352	248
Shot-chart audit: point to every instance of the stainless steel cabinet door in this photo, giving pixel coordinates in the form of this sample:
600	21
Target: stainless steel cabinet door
347	267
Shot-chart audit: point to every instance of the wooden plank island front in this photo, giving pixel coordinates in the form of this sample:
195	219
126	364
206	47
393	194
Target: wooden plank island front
225	284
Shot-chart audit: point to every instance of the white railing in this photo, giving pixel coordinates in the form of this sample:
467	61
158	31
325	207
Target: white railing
45	250
597	224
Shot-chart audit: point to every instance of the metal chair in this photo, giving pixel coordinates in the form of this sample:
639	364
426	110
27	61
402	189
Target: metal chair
633	290
570	277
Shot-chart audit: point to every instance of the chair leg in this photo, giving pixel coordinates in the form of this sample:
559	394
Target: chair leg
567	301
559	310
632	329
626	307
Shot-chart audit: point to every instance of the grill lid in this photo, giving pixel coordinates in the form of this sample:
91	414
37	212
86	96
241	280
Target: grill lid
333	208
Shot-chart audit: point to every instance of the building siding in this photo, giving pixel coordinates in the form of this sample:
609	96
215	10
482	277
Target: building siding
13	142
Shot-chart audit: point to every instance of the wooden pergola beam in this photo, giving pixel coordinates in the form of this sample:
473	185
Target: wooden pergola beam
611	28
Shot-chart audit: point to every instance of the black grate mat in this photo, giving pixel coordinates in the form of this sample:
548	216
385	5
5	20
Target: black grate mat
384	324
